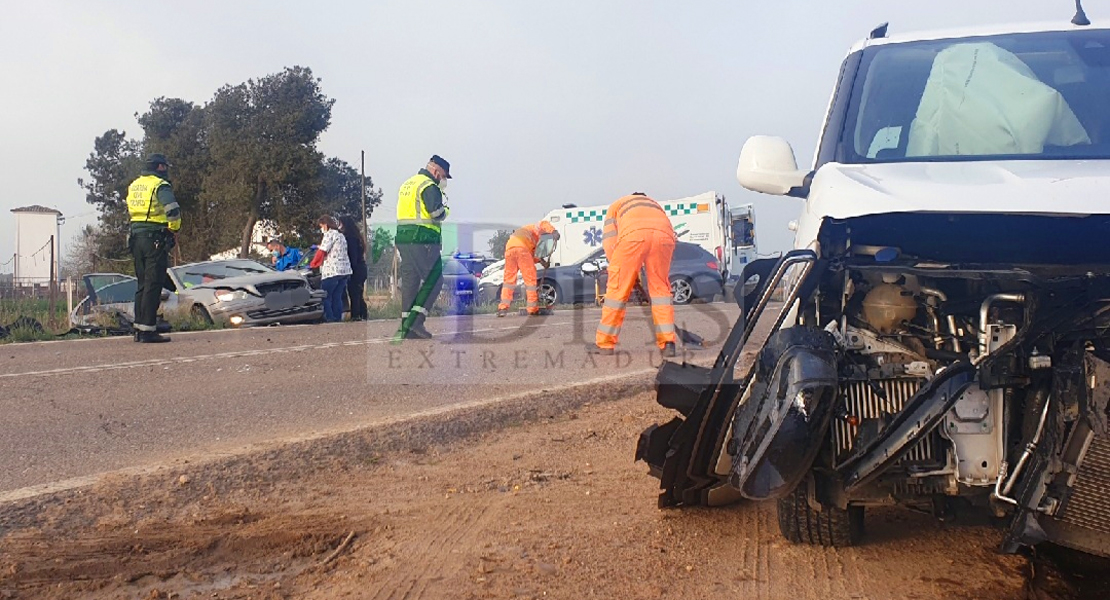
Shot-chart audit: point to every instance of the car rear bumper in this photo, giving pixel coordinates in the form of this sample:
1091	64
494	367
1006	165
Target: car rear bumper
706	288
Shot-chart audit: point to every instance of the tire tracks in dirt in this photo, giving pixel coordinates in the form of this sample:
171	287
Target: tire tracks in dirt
435	557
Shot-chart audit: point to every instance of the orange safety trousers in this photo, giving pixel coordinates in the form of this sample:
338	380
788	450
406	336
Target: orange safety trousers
519	258
651	250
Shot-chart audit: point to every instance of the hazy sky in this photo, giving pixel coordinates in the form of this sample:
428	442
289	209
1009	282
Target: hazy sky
535	104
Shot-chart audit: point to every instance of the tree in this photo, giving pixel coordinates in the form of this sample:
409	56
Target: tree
336	189
262	135
112	165
81	257
498	241
247	155
176	128
383	240
382	251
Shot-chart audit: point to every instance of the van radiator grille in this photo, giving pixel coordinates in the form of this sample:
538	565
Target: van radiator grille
859	399
1089	504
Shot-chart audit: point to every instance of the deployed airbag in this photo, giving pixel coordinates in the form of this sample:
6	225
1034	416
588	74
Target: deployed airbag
982	100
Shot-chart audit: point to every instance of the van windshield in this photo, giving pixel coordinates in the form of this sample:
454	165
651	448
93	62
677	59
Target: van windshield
1018	96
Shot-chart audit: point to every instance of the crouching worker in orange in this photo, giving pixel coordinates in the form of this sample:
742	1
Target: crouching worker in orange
520	255
637	234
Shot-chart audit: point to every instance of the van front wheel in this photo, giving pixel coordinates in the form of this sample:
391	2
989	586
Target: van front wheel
830	526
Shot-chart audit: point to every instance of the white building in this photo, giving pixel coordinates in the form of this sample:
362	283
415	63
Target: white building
35	259
263	231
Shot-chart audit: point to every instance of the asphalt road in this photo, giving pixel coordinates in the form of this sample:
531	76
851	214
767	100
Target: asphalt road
76	409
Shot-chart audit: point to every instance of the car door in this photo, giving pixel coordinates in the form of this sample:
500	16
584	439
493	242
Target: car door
111	289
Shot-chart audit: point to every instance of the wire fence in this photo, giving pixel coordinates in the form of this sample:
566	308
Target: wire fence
13	289
8	267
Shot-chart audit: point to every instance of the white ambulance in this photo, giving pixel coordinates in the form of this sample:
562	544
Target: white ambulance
704	220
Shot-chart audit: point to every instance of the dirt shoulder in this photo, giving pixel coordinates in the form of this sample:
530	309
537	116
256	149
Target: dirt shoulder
539	498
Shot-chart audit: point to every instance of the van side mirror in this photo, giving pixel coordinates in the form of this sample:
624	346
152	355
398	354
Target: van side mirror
767	165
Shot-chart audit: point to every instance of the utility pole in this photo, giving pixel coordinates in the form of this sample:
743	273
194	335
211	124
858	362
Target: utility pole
365	224
53	284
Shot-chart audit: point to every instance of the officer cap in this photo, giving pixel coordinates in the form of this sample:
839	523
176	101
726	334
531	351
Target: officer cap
443	164
157	159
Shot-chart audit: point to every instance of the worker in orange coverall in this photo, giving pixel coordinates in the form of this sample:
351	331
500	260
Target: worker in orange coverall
637	234
520	255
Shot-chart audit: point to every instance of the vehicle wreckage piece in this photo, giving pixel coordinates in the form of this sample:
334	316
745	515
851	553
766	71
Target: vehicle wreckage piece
1061	483
684	453
781	426
920	417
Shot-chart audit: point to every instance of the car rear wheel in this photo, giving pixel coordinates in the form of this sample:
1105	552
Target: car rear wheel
800	523
549	293
682	291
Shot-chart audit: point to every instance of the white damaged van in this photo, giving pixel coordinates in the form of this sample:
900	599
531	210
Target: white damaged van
945	340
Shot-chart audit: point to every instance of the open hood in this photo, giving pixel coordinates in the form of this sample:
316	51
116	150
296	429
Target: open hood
1030	187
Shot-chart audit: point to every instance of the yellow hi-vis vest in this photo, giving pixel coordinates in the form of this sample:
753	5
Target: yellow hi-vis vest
143	204
410	204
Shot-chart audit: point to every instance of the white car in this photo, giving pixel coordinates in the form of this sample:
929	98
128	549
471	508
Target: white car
945	339
493	275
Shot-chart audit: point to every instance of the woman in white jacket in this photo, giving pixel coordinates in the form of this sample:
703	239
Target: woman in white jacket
335	267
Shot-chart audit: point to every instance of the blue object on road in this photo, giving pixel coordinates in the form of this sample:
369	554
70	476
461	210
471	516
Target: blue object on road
460	286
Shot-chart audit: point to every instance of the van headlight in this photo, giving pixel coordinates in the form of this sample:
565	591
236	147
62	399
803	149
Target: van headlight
231	295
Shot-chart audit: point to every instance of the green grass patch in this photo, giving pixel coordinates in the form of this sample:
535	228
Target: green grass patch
33	308
31	320
27	334
187	320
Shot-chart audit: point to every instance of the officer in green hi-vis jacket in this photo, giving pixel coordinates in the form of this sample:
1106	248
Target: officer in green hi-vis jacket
421	208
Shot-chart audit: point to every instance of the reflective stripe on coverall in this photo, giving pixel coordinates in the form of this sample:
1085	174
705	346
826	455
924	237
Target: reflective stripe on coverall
520	256
638	234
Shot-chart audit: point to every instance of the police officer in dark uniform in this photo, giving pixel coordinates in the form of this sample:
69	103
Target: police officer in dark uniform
155	219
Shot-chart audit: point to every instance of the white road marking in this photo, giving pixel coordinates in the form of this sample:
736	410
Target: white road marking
241	353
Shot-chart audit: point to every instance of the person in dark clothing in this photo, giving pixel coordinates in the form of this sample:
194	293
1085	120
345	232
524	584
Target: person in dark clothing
155	219
356	252
421	208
